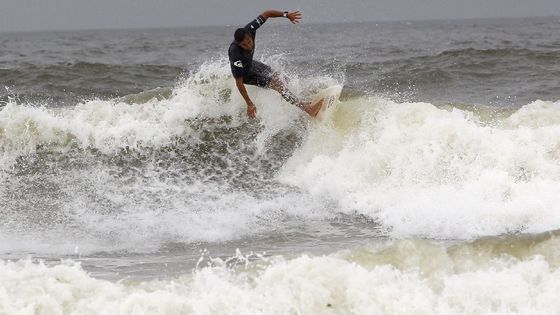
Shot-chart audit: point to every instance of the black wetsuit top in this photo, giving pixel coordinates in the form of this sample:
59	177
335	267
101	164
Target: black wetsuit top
241	60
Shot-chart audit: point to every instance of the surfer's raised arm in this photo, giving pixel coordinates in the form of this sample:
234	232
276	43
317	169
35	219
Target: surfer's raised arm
294	16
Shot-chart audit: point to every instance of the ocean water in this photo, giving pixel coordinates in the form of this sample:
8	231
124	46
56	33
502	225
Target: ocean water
132	182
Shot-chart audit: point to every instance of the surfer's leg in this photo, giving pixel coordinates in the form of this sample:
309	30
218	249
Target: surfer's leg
279	86
262	75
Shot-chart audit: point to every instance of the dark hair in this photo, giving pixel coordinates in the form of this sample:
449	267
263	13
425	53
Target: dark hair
239	34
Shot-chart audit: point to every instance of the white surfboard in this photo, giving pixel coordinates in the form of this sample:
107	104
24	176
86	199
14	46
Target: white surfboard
330	97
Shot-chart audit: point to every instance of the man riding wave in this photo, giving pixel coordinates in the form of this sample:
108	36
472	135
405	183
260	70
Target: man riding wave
245	70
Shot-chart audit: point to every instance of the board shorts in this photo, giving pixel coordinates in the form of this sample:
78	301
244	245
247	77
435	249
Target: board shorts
259	74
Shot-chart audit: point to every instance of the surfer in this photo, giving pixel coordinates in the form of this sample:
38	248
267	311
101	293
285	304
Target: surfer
245	70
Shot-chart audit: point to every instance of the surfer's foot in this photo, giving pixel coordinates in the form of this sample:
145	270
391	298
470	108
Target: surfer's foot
313	109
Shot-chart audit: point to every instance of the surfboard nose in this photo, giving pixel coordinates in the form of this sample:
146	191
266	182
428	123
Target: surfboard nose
330	97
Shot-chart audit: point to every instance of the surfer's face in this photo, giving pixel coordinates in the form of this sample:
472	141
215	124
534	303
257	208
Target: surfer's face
247	42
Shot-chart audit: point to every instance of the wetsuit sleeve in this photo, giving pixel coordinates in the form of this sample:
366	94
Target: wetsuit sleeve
254	25
236	63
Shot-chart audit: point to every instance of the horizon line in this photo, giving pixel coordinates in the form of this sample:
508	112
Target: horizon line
135	28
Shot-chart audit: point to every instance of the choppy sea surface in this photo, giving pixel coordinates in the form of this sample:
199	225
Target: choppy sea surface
132	182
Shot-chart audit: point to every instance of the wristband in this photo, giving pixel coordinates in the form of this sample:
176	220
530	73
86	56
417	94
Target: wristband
285	14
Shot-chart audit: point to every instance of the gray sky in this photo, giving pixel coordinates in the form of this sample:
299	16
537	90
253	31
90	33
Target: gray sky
24	15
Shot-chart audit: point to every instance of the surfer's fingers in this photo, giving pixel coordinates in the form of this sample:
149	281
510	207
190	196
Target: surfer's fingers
294	16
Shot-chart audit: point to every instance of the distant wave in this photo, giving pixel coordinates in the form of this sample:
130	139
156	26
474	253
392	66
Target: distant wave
79	80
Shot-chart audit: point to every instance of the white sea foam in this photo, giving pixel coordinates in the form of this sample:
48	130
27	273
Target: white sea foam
421	170
144	220
427	279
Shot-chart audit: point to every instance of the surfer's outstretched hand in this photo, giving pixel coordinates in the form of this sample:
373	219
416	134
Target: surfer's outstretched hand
251	110
294	17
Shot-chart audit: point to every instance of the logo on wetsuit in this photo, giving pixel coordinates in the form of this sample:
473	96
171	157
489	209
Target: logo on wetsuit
238	64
